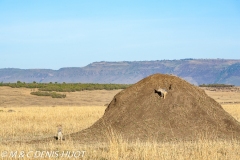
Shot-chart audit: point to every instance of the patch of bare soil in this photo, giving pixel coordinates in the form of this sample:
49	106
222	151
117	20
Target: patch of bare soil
224	95
21	97
139	112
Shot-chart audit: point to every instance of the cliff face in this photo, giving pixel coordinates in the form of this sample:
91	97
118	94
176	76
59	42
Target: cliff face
195	71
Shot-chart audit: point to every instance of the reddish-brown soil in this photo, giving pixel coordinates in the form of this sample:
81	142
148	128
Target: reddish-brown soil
187	113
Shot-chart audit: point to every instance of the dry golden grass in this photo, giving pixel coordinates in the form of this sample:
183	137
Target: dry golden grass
35	122
233	109
26	123
30	123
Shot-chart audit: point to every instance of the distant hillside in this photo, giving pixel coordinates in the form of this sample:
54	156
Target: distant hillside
196	71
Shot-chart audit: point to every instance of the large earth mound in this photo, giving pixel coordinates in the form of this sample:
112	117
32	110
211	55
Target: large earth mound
142	112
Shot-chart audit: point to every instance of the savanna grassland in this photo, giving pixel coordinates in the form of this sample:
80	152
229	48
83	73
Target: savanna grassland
25	117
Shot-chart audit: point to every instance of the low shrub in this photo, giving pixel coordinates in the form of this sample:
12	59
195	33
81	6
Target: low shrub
51	94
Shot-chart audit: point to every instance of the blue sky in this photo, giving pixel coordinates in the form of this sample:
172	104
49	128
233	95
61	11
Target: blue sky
57	33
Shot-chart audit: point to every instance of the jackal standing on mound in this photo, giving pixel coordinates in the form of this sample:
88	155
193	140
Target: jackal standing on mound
161	92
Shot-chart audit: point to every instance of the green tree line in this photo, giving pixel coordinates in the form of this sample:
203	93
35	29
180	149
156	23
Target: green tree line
65	87
216	85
